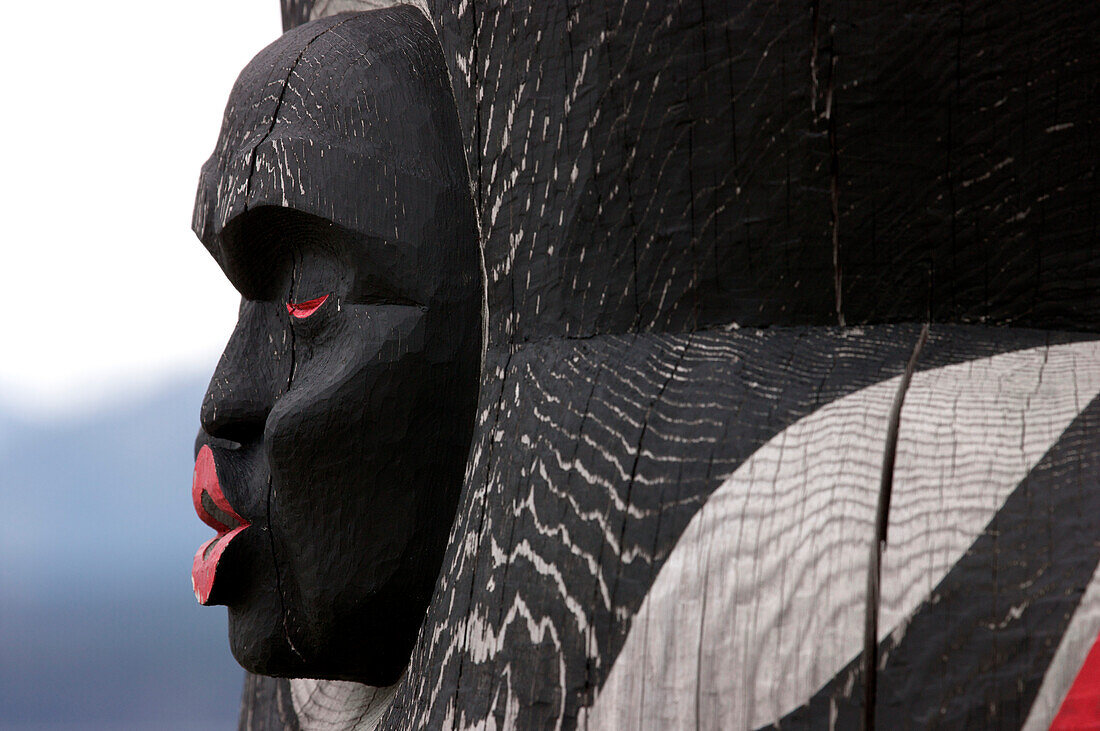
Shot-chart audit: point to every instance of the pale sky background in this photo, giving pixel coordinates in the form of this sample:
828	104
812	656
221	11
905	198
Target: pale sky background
109	111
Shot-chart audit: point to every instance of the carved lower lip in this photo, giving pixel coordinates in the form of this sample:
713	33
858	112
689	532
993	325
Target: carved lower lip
214	510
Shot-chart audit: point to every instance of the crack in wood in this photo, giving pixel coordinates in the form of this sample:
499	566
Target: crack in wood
882	522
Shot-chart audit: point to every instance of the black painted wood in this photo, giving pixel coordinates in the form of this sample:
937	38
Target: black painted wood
266	705
679	202
589	461
975	652
669	166
339	182
662	167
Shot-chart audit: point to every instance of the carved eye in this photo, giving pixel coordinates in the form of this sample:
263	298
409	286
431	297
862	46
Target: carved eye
302	310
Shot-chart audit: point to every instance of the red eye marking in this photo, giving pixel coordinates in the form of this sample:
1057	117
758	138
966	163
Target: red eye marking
302	310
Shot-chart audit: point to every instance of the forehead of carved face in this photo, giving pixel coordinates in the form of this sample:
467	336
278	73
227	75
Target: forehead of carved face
335	429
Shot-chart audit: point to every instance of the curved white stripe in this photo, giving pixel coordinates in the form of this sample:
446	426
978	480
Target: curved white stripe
761	601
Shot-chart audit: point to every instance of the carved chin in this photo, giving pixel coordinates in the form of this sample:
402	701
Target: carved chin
372	647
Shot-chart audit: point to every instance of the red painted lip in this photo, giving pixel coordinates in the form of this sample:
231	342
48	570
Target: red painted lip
217	513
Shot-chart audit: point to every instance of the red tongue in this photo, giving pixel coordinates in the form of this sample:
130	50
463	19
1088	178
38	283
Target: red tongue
205	564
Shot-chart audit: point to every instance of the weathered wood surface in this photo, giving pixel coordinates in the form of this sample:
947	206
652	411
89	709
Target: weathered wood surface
266	703
792	457
311	705
333	705
557	550
667	166
655	182
777	606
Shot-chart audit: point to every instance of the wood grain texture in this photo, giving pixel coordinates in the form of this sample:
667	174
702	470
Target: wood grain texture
675	199
334	705
266	705
668	166
555	551
976	651
765	584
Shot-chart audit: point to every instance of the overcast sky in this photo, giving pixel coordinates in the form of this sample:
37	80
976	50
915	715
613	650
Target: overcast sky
110	110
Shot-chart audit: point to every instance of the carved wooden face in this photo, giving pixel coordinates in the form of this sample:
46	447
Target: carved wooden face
335	429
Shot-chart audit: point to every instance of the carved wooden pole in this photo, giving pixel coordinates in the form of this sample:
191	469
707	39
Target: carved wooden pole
726	246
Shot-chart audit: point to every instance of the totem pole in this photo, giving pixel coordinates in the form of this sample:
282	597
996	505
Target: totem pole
786	319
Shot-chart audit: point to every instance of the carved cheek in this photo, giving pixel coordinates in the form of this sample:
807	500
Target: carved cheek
367	358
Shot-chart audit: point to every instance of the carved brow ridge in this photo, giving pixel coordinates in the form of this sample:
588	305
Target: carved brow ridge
259	243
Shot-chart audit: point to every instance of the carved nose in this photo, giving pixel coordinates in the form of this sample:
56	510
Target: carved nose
251	372
233	412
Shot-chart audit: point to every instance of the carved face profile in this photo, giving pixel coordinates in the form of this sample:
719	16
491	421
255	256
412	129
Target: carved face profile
335	429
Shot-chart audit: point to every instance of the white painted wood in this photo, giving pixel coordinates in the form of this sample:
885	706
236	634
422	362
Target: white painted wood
334	705
761	601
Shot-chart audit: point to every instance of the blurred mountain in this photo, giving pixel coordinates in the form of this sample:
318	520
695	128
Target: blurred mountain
98	625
